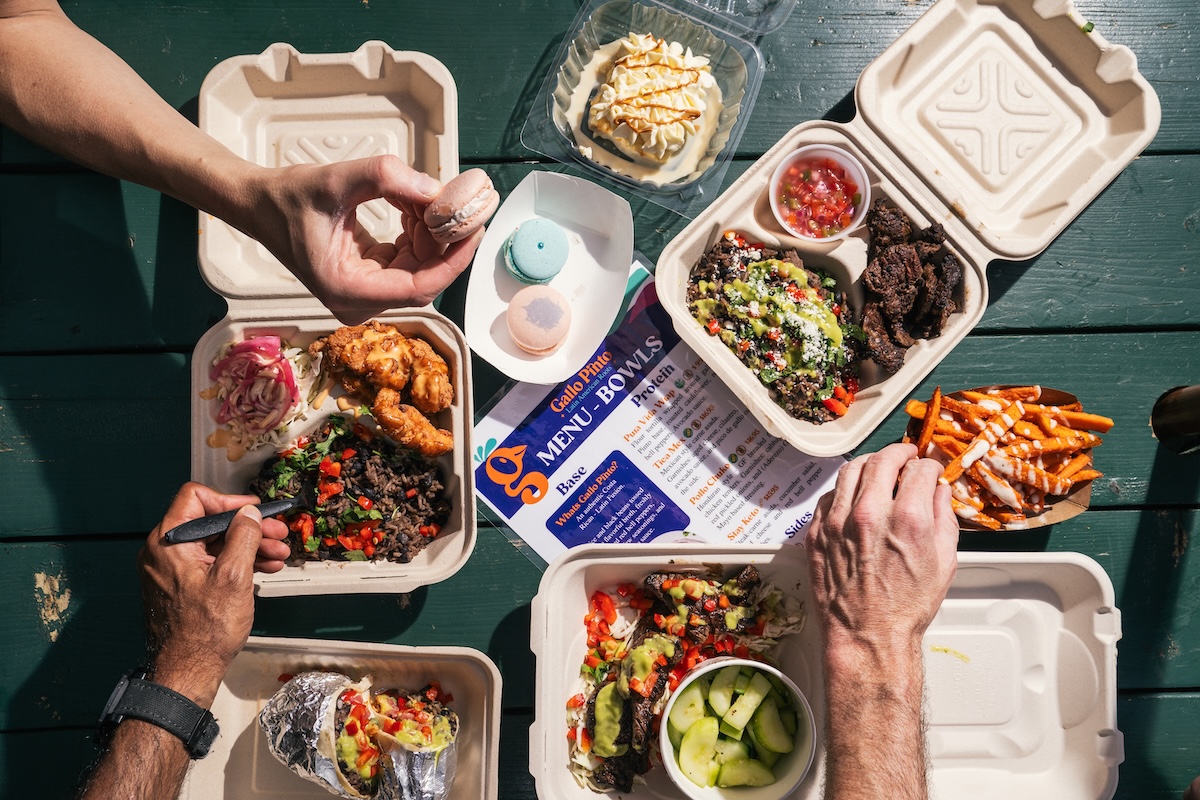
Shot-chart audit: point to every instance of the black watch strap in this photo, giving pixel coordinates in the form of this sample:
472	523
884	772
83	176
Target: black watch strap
151	702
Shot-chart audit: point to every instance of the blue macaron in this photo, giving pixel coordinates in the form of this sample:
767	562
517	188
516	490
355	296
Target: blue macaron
536	252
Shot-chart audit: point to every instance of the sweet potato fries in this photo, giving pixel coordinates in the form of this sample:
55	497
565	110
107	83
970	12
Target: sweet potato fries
1005	453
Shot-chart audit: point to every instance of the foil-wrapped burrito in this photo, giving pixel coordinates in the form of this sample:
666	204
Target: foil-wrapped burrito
360	743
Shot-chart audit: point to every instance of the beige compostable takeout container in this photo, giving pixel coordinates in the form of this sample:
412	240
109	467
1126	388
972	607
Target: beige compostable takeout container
283	107
1020	663
1000	120
240	765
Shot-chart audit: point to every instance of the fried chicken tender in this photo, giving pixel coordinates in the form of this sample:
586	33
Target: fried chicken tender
429	387
408	426
390	371
366	357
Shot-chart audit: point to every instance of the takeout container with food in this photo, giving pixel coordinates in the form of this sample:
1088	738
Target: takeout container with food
1020	668
283	107
724	33
599	230
999	121
240	764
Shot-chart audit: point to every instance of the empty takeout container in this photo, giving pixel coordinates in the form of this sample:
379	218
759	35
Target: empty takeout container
724	32
1021	668
1001	121
283	107
240	764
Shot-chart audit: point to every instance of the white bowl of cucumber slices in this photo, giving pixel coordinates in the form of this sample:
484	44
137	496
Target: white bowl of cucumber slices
737	729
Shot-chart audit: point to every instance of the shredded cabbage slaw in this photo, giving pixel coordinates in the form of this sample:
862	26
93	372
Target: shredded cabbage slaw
263	387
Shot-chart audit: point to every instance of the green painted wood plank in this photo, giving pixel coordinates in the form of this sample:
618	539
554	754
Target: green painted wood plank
92	444
811	64
79	602
1162	745
123	272
91	263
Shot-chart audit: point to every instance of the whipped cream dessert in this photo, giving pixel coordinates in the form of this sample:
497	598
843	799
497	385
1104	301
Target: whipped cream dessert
656	103
655	93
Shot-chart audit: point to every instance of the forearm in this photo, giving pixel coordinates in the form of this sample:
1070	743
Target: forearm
69	93
144	761
875	739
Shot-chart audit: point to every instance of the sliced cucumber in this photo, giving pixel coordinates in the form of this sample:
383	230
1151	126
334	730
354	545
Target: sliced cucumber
761	753
697	751
720	694
688	707
788	715
675	735
730	750
730	731
743	708
745	772
739	685
766	728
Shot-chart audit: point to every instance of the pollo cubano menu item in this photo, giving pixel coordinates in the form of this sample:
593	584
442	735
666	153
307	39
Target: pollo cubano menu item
642	639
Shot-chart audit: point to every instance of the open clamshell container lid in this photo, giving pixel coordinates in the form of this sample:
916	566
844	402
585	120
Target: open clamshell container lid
1020	662
240	764
1000	120
281	108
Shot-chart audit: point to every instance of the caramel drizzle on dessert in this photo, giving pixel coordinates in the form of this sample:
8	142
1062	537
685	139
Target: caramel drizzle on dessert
641	123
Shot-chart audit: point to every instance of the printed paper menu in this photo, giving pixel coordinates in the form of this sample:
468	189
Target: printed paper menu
643	442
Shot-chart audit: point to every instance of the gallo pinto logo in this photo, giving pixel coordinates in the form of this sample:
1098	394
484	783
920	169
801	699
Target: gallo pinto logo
505	467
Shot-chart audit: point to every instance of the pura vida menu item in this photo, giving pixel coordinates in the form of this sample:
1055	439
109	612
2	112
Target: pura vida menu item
642	443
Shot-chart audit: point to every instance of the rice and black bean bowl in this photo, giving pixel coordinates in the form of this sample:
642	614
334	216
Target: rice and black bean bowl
784	321
369	499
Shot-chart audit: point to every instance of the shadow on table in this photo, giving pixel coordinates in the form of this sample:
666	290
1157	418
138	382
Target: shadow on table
1157	572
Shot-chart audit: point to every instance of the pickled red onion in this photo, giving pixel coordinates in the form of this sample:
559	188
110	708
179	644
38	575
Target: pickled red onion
256	384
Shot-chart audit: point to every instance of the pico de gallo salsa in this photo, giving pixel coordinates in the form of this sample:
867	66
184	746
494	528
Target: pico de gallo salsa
816	197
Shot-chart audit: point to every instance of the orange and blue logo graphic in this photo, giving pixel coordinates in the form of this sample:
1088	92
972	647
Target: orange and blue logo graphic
505	467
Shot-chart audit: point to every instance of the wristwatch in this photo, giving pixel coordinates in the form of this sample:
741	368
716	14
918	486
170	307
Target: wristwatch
151	702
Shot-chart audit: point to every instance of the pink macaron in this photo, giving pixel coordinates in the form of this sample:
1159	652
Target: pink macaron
538	319
462	206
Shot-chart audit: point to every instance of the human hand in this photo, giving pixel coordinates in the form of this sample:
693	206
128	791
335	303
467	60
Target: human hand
882	552
199	596
306	216
1193	790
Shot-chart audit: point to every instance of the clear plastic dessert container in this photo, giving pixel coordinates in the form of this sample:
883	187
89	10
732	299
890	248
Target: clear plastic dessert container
557	118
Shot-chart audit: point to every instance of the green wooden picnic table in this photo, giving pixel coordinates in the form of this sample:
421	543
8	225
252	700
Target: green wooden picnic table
101	304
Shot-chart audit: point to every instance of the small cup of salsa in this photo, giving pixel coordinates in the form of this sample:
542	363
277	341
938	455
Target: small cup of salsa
820	192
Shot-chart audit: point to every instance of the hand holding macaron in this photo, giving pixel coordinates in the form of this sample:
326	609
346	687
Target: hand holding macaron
461	207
